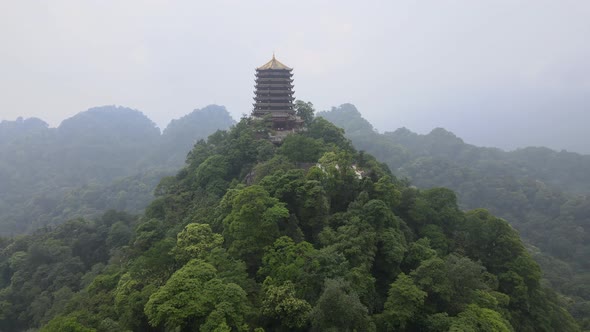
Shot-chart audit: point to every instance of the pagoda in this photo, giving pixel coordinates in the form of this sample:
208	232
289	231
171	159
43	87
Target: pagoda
274	98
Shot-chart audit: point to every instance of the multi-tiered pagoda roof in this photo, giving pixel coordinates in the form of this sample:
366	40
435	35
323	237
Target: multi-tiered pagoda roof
273	97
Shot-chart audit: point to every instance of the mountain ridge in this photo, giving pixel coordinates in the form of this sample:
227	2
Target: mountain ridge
42	168
342	245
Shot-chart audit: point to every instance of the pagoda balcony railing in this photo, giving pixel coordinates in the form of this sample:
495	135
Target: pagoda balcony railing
270	80
288	105
275	112
274	93
275	86
286	77
273	77
264	98
285	104
274	74
284	114
266	81
278	102
274	90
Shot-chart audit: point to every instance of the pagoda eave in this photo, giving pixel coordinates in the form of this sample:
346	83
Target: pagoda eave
267	98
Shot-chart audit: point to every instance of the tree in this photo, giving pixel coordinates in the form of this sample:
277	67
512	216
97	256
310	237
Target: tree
386	191
404	303
339	178
286	260
212	174
131	295
391	248
356	239
491	240
312	208
305	111
65	324
321	128
193	296
468	280
252	222
418	251
299	148
155	264
196	241
339	309
432	276
281	304
478	319
303	265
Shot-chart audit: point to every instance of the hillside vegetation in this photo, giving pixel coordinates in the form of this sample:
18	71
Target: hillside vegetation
541	192
312	235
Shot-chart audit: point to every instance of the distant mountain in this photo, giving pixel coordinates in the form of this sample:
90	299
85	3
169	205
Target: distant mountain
180	135
10	130
102	144
109	123
565	170
48	174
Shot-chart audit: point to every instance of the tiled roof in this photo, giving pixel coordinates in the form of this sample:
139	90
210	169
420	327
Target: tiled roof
273	64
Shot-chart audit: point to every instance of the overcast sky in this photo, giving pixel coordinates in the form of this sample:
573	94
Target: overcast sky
498	73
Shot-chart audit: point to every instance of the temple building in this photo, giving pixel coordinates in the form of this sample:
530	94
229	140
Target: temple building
274	98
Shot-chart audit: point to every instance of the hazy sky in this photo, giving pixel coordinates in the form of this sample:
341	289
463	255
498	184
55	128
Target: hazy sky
502	73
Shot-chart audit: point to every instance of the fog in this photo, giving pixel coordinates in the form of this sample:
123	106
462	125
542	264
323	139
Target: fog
496	73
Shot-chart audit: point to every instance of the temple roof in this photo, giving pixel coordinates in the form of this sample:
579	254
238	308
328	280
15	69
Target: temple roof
273	64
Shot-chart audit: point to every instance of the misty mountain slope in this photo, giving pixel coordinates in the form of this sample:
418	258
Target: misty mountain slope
243	238
103	143
82	167
567	171
13	130
563	170
114	123
180	135
536	189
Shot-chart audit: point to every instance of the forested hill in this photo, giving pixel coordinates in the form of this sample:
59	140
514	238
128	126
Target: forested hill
309	236
567	171
542	193
106	157
179	137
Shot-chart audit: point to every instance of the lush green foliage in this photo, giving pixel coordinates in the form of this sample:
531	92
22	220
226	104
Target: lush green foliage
46	272
246	237
542	193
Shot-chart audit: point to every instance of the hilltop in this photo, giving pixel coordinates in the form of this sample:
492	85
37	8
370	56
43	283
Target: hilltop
244	238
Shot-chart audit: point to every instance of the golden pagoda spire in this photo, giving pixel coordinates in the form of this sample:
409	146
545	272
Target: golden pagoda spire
273	64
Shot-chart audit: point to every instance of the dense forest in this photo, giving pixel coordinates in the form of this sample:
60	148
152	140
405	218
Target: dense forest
541	192
104	158
247	236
